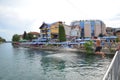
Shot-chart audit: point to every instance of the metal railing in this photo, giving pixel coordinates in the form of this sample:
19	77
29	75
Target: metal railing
114	68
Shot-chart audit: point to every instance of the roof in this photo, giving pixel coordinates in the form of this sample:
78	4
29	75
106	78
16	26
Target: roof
57	22
44	24
48	25
34	33
21	35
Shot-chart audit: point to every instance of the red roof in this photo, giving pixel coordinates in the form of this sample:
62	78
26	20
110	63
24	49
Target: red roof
35	33
21	35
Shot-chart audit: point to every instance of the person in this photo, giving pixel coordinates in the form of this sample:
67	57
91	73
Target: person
118	46
98	47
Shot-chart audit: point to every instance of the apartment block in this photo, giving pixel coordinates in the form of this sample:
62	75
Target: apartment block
90	28
87	29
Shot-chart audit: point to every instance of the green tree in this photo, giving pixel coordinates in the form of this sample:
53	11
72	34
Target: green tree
25	36
2	40
30	36
62	35
15	37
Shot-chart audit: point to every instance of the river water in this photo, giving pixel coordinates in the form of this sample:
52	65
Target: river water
31	64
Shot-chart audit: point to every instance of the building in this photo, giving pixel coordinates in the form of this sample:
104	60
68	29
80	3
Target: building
45	31
90	28
51	31
103	27
87	29
54	30
75	32
97	28
30	36
110	31
35	34
67	31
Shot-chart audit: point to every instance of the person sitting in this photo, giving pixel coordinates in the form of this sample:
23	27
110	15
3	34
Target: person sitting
98	47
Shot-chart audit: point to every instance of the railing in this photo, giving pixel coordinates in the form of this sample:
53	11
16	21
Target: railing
114	68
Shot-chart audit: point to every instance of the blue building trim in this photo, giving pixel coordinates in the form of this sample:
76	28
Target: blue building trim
82	28
92	28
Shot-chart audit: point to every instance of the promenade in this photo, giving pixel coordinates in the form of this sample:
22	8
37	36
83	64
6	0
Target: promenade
107	48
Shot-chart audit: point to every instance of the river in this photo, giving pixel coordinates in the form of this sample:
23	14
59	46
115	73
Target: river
31	64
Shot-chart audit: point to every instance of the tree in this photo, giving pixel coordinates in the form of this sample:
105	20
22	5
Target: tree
15	37
25	35
62	36
30	36
2	40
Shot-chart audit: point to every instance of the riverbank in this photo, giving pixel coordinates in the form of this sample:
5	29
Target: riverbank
62	47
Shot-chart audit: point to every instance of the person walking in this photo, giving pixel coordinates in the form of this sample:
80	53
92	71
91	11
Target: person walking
98	47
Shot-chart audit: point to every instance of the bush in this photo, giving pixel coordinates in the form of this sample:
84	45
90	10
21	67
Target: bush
89	47
117	40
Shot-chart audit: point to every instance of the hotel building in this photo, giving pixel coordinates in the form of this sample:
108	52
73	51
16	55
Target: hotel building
90	28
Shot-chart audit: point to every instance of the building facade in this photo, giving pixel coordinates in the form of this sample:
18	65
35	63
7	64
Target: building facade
90	28
45	31
54	30
51	31
67	31
87	29
75	32
97	28
35	34
110	31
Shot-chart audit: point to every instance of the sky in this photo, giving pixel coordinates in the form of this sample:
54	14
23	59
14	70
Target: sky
17	16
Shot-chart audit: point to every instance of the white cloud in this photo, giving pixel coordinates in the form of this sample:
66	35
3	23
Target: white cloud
66	10
29	14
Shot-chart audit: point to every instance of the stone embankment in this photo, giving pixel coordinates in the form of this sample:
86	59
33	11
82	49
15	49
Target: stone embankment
74	48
